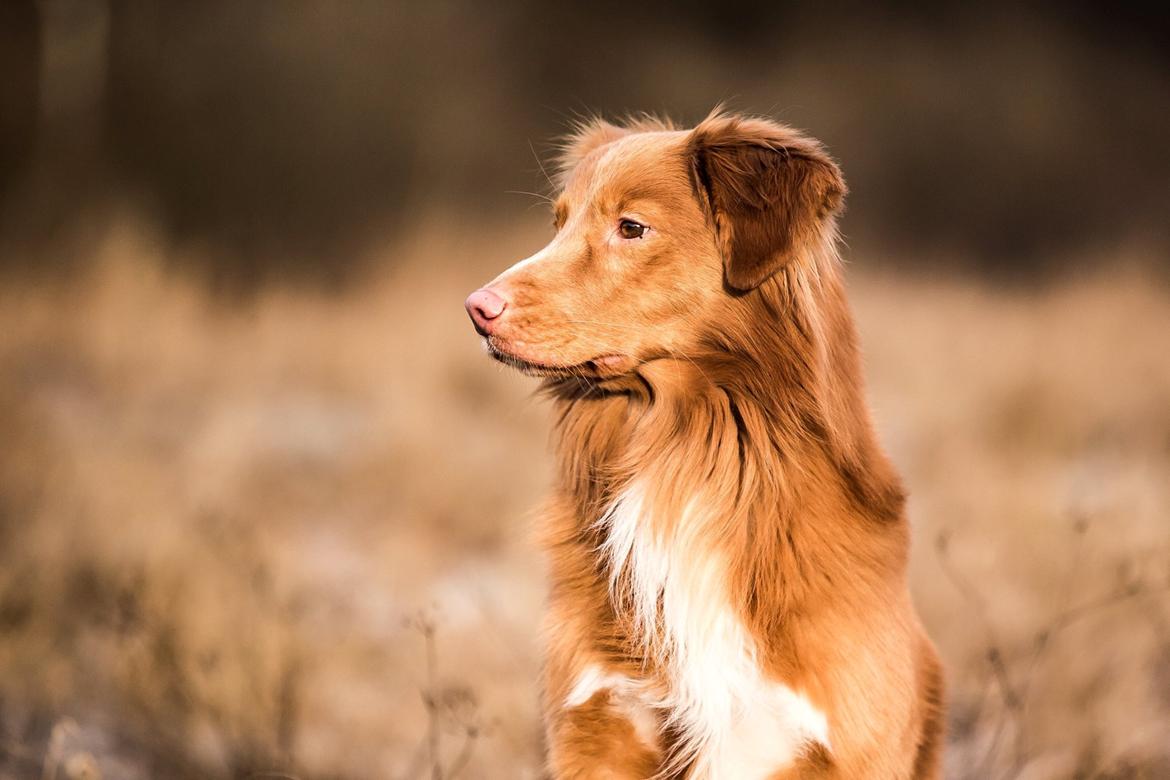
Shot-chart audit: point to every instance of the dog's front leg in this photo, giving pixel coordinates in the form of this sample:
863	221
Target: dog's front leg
610	735
601	716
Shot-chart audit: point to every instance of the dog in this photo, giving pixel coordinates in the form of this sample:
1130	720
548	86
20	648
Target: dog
727	542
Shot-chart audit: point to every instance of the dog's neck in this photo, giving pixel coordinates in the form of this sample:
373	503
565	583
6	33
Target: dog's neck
778	385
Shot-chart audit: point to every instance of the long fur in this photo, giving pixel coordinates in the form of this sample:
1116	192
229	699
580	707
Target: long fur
727	541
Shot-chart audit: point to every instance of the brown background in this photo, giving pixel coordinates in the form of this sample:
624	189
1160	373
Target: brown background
254	465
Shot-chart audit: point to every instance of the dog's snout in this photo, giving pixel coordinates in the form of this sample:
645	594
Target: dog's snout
485	307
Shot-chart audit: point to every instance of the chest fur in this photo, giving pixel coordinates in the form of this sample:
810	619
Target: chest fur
669	576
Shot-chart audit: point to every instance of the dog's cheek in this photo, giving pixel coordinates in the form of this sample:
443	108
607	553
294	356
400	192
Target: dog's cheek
687	281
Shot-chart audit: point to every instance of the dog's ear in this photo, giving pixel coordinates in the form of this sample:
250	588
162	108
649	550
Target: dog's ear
770	192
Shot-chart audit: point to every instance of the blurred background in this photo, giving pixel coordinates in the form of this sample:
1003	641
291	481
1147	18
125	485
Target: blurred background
265	506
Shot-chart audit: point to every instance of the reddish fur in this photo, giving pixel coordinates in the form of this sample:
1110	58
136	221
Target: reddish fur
738	374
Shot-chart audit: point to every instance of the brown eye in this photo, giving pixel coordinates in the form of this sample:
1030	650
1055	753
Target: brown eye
628	228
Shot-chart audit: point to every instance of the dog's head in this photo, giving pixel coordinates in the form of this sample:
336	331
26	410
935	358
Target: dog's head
658	231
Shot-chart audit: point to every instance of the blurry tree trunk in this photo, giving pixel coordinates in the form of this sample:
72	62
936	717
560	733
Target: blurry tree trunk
74	39
52	99
20	60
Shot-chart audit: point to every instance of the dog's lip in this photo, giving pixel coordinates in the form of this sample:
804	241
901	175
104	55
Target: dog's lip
608	364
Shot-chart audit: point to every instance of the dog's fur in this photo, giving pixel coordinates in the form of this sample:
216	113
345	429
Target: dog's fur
727	540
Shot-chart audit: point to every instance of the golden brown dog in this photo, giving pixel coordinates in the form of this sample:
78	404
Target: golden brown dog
726	538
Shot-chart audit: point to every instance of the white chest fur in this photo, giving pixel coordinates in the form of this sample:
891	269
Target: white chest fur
735	723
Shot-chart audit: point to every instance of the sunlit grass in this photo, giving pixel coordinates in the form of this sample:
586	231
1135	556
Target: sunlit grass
220	521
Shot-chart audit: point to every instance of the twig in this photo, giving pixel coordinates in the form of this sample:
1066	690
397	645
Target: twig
430	698
1015	698
464	756
1041	642
452	707
995	656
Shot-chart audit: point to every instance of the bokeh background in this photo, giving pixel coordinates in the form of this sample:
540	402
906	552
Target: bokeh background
265	506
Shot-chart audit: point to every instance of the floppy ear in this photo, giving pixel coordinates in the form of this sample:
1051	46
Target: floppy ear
769	190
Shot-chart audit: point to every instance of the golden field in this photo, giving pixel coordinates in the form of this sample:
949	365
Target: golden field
286	533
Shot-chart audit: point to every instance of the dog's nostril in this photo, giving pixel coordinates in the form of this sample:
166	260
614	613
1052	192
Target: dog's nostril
484	306
487	303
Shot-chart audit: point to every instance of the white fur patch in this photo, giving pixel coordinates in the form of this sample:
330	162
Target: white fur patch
589	682
734	722
625	696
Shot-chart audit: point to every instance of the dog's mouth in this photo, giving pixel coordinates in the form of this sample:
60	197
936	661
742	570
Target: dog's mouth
600	367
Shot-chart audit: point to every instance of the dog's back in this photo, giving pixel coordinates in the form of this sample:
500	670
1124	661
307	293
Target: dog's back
727	540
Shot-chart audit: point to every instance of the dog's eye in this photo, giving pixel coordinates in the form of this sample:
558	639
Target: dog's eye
628	228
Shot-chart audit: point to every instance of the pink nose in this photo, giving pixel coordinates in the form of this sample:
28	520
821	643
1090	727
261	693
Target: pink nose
484	306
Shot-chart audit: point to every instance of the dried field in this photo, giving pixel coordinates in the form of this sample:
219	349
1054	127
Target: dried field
230	532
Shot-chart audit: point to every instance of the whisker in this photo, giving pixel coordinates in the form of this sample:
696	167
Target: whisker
539	195
540	164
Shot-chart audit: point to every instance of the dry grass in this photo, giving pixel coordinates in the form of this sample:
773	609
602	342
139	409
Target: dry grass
288	536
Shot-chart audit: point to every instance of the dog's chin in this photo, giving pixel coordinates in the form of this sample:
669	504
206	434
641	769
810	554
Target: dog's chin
600	367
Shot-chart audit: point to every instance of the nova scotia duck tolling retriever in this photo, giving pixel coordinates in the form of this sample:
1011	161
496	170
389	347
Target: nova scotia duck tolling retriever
726	540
